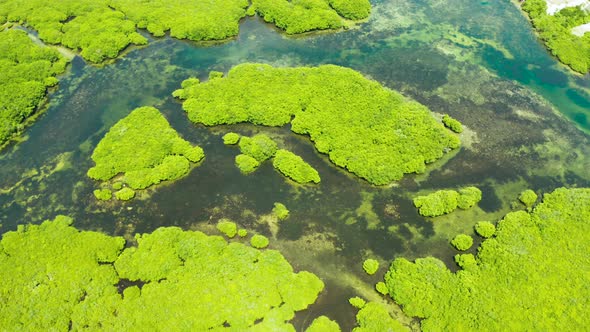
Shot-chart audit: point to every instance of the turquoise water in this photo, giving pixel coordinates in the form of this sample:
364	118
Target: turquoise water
453	56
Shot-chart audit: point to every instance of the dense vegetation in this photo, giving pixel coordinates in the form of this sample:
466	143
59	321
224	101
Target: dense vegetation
55	277
323	324
27	70
280	211
145	149
260	147
446	201
371	131
101	29
246	164
528	198
541	256
556	32
294	167
306	15
373	317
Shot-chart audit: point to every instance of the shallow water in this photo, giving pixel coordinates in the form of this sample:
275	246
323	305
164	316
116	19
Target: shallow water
453	56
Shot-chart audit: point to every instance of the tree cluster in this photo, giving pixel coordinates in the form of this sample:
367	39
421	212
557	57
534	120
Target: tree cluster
145	150
27	70
55	277
446	201
556	32
539	255
371	131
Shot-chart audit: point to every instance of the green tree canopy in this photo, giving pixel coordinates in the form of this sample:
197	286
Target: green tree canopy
371	131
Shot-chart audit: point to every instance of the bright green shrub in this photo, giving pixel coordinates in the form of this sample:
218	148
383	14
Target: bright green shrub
259	241
535	267
437	203
371	266
145	148
371	131
555	31
117	185
381	287
468	197
27	70
280	211
528	198
485	229
260	147
323	324
246	164
374	317
462	242
452	124
242	233
103	194
125	194
295	168
357	302
227	227
231	138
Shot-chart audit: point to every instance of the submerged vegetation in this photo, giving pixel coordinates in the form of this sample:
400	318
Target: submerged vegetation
556	32
446	201
145	149
371	131
27	71
539	255
179	278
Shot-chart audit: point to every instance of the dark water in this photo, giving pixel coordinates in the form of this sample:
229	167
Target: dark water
477	61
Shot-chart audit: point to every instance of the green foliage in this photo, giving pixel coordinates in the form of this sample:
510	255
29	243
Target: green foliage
357	302
91	27
242	233
101	29
246	164
27	70
465	261
438	203
555	31
452	124
446	201
227	227
381	287
468	197
231	138
125	194
371	131
186	19
57	278
323	324
535	267
260	147
259	241
371	266
280	211
117	185
307	15
374	317
145	148
294	167
485	229
103	194
528	198
51	272
462	242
